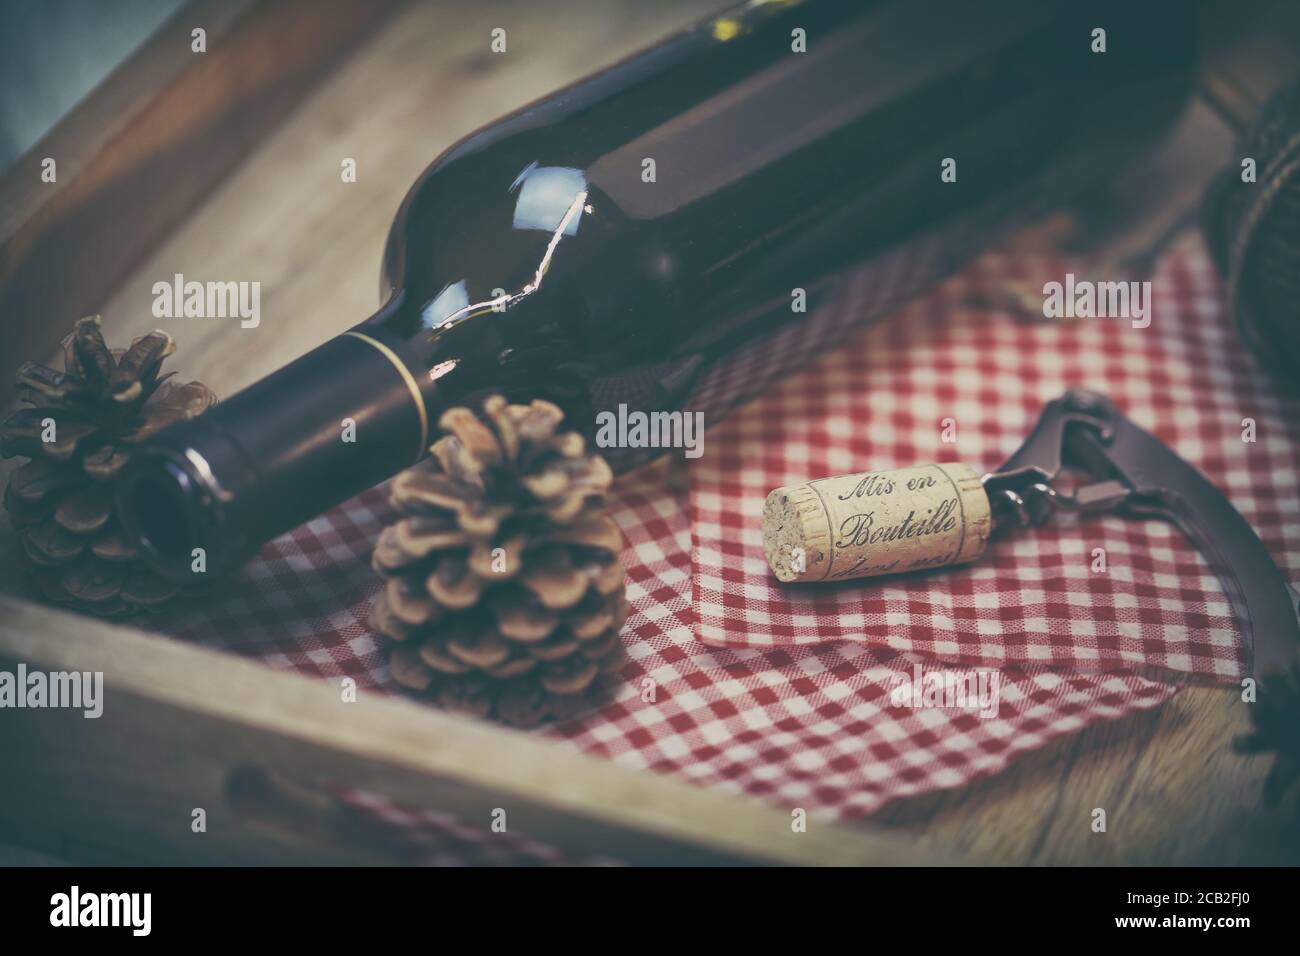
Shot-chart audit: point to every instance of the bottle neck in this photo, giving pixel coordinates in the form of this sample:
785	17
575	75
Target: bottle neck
207	492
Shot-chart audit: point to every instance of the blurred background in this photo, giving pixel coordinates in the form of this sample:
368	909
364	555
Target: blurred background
54	52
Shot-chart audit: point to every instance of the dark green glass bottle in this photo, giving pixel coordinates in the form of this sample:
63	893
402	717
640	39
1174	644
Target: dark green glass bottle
635	239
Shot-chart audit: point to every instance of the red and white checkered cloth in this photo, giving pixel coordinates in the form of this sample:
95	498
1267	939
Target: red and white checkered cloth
796	709
1034	598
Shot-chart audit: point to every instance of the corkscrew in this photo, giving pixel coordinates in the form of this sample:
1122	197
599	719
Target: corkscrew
1129	471
1082	456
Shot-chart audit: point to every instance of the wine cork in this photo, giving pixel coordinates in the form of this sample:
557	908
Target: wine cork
884	522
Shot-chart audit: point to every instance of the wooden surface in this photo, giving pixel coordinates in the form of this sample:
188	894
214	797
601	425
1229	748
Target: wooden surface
143	149
1172	791
255	750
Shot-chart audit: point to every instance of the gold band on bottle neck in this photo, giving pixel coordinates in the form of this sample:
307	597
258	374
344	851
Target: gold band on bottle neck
411	385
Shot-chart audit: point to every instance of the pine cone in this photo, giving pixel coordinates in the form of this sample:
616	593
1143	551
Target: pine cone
1275	719
61	501
504	590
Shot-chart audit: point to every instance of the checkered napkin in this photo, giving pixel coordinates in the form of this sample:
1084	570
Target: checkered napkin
1040	596
815	725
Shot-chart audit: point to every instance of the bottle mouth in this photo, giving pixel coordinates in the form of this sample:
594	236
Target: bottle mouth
163	510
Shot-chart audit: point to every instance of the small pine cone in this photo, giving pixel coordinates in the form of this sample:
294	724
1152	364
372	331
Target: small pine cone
1275	719
504	590
77	432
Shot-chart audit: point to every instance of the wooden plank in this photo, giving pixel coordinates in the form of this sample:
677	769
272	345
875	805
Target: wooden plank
185	728
147	146
1173	791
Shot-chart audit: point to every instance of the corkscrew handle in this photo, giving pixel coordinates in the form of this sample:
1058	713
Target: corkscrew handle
1136	474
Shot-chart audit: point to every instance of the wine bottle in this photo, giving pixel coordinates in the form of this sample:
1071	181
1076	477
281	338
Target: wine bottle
642	238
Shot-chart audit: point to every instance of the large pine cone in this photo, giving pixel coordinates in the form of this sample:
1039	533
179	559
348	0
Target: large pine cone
78	432
505	592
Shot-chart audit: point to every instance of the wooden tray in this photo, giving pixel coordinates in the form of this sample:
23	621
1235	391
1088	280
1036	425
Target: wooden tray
227	164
